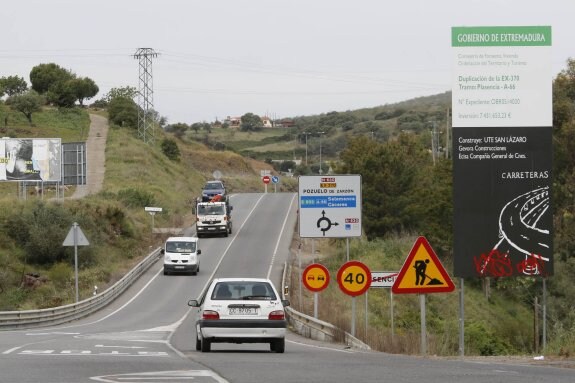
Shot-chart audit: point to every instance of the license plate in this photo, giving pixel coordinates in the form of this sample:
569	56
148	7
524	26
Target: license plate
243	311
179	267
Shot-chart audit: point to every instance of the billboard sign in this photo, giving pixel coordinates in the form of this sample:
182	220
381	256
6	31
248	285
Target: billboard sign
502	157
31	159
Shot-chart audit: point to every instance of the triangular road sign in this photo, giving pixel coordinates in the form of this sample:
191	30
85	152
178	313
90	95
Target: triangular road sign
422	272
81	239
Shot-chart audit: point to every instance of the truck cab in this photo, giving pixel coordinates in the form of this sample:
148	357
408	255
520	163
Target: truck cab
181	255
213	217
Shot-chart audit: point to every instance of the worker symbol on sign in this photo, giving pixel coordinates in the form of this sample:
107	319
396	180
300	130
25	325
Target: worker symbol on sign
420	267
324	223
422	272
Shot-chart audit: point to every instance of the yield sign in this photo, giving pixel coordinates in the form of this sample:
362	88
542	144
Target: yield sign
422	272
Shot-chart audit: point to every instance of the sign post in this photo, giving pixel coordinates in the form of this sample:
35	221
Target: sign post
422	273
353	278
385	279
316	278
266	180
76	238
152	211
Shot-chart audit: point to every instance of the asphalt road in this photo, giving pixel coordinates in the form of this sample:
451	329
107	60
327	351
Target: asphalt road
146	335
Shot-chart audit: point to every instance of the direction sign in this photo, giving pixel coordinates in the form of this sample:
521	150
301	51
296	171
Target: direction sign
354	278
315	277
275	179
152	209
383	278
422	272
266	179
330	206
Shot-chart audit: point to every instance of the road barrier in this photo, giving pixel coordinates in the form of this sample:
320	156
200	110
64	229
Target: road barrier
313	328
14	320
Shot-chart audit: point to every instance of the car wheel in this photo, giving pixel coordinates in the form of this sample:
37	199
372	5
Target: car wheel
278	345
230	231
166	272
206	345
198	343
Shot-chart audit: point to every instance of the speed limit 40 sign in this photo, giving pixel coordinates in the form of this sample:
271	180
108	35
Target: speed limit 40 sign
354	278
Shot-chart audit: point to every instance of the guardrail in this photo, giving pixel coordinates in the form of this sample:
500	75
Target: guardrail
313	328
13	320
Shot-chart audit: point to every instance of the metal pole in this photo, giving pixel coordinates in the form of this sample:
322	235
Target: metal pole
315	304
300	276
306	148
423	326
544	314
461	319
75	225
352	316
391	313
320	170
347	247
366	315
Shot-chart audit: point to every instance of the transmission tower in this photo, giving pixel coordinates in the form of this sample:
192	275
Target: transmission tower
146	121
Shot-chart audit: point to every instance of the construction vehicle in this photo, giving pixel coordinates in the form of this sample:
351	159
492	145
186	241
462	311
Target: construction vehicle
213	216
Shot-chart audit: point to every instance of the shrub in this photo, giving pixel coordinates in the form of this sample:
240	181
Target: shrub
136	198
170	149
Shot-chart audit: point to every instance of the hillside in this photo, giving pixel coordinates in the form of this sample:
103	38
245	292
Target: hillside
499	313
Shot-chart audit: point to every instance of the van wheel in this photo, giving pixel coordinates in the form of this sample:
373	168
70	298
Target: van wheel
166	272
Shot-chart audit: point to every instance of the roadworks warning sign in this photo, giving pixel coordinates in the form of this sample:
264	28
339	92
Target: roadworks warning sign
422	272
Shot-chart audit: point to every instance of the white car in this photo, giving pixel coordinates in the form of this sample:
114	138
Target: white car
240	310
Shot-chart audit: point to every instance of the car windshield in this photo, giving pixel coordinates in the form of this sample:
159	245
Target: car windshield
243	290
211	210
181	247
213	186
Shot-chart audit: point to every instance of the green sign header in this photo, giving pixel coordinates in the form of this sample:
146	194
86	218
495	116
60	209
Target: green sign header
500	36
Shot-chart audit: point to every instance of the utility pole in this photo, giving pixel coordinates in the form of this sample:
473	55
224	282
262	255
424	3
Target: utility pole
145	94
306	134
320	171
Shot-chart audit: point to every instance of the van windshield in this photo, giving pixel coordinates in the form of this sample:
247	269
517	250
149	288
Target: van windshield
181	247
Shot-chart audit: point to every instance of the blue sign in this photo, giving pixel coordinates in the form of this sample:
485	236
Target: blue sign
328	202
275	179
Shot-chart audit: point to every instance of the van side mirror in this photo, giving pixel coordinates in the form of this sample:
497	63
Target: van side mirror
199	252
162	251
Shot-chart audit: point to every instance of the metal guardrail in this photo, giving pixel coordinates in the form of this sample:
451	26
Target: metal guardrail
13	320
313	328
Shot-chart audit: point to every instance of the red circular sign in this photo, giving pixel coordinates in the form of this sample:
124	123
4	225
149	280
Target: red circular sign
315	277
354	278
266	179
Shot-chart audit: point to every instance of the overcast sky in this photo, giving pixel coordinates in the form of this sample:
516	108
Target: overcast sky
280	58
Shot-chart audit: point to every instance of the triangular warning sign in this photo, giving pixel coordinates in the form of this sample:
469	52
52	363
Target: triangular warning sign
81	239
422	272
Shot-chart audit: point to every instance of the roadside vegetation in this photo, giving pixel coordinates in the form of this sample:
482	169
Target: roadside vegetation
406	193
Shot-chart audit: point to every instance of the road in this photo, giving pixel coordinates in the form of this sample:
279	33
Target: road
146	335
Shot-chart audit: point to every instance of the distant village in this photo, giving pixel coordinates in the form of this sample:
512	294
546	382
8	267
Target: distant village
235	122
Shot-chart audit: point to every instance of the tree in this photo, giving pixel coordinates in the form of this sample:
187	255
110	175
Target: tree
27	103
123	112
128	92
250	122
12	85
44	76
84	88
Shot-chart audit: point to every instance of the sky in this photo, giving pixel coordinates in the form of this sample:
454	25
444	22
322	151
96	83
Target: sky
278	58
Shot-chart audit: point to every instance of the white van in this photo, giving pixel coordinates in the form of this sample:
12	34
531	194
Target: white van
181	255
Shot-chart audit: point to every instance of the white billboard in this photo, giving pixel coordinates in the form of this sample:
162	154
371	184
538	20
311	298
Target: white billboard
30	159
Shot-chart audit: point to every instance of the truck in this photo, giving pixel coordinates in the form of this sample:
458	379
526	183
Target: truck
213	216
181	255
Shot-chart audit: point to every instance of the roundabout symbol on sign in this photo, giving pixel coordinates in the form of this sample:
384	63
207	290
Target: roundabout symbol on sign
354	278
